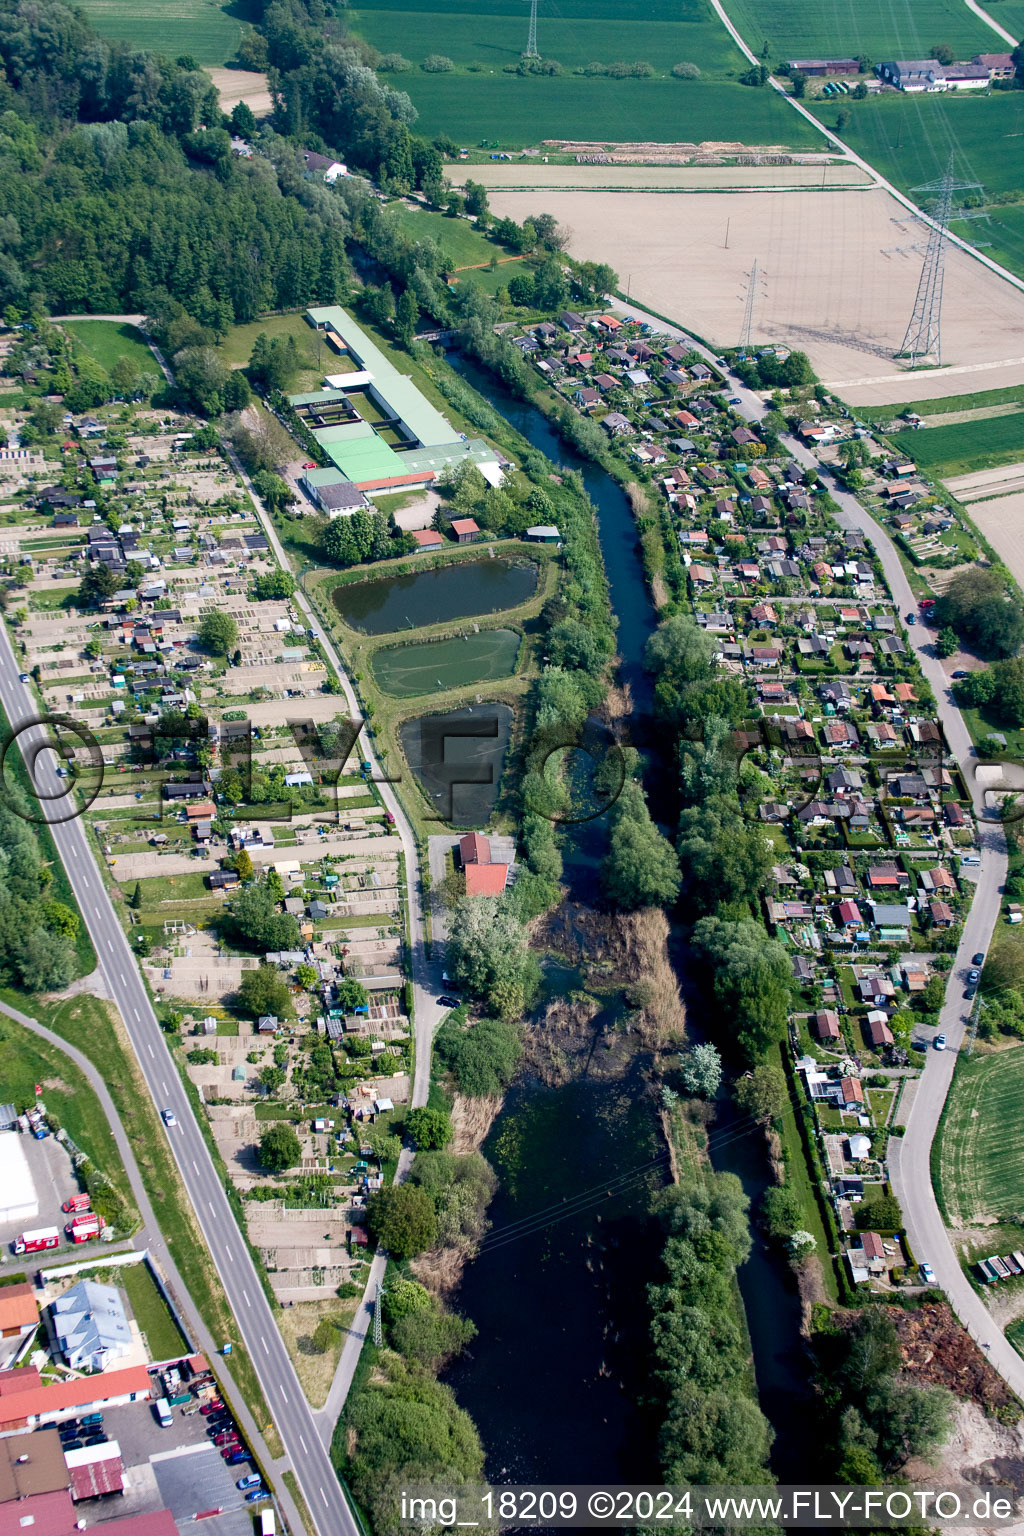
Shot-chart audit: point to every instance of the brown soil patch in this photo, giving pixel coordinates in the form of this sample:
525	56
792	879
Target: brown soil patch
708	152
471	1122
979	1451
235	85
937	1349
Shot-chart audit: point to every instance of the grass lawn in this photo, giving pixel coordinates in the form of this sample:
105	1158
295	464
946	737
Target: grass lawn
799	1180
106	341
1015	1333
965	446
161	888
151	1312
26	1060
316	356
202	28
845	28
459	239
981	724
981	1154
518	111
1012	394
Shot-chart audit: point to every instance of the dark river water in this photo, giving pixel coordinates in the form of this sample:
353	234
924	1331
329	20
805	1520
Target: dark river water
554	1379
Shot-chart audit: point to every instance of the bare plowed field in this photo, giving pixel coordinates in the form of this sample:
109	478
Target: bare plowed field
838	276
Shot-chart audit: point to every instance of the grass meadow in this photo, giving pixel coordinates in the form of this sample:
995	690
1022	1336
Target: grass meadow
209	31
981	1153
106	341
1010	394
965	446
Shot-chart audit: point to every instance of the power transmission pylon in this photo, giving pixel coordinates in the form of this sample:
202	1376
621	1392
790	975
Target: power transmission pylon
746	335
924	333
531	41
378	1327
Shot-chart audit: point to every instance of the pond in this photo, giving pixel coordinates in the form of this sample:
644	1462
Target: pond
458	758
456	591
407	670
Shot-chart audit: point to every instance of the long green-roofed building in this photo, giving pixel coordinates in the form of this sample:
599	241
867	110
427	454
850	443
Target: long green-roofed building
422	443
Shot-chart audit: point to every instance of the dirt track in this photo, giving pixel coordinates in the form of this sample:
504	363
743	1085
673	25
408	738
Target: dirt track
838	278
530	173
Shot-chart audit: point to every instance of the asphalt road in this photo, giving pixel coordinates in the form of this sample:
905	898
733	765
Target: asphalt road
290	1412
910	1156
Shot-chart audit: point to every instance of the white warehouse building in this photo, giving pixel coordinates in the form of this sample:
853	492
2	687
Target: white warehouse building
19	1201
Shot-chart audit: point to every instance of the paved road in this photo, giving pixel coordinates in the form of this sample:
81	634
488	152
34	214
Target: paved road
910	1158
289	1409
151	1239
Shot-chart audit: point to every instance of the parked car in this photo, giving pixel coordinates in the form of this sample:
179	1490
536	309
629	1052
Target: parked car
735	400
234	1458
927	1274
969	993
72	1445
256	1495
448	1002
940	1042
911	618
958	673
213	1406
224	1436
978	959
973	976
250	1480
99	1439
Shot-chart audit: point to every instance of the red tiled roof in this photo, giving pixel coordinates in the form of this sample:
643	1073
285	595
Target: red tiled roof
23	1380
474	848
59	1396
427	538
44	1514
18	1307
486	879
465	525
872	1245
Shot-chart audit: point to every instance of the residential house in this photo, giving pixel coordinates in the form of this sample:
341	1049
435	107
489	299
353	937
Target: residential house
1000	66
892	919
617	424
851	1094
90	1325
826	1025
942	914
465	529
848	914
879	1032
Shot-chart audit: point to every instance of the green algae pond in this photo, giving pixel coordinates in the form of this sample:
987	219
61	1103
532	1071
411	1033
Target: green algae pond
405	671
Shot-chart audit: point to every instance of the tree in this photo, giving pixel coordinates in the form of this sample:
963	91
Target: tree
641	869
407	313
763	1094
476	198
201	376
798	81
351	994
243	122
701	1071
217	632
135	900
882	1215
271	1079
947	642
253	918
944	52
432	1336
44	960
308	977
977	605
912	1420
481	1057
243	864
489	957
780	1212
274	361
686	71
725	858
264	991
98	583
437	64
271	489
325	1336
428	1129
403	1297
402	1219
279	1147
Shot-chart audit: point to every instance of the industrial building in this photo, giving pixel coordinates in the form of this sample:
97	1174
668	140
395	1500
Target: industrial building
91	1327
19	1201
406	446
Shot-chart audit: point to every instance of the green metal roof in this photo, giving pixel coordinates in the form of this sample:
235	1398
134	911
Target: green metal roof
318	397
369	458
343	432
394	390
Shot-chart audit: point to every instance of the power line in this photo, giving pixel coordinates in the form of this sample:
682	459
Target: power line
746	335
923	339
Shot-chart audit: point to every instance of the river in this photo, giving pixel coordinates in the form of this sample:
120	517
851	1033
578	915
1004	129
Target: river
560	1304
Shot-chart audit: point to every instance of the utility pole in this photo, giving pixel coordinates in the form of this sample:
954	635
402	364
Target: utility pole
728	224
923	339
531	41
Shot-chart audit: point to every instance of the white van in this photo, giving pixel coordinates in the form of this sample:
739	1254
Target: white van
162	1409
268	1526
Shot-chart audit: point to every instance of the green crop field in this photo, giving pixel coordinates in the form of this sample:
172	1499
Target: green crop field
106	341
966	446
1011	394
493	33
880	29
470	107
210	32
407	670
981	1151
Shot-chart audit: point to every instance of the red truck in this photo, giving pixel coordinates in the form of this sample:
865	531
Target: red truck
75	1204
35	1242
82	1228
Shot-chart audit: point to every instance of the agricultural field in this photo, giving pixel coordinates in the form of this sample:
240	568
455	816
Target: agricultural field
106	341
829	283
879	29
910	138
983	399
472	107
492	33
210	32
981	1163
966	446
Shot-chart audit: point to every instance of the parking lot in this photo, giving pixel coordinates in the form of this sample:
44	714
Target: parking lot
178	1468
54	1180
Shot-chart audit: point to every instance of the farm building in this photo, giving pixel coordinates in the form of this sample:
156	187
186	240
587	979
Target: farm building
819	67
